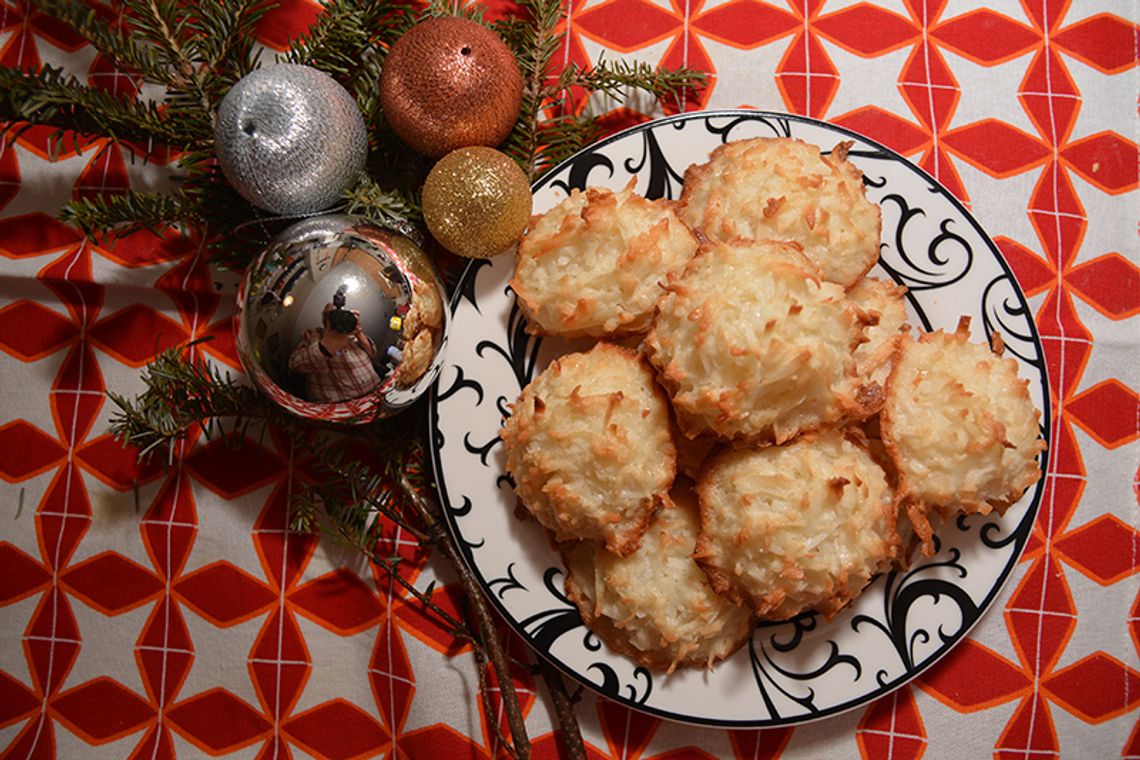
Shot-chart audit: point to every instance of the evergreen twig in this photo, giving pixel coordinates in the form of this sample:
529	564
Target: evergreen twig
119	215
53	98
537	143
170	31
369	198
534	43
345	31
224	43
616	78
111	39
183	394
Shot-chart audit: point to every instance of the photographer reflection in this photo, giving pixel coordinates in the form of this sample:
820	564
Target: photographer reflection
336	358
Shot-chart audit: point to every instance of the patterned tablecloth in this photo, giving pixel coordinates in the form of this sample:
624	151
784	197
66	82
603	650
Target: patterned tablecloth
190	621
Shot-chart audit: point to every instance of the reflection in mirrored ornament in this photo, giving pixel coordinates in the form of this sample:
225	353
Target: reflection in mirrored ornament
340	319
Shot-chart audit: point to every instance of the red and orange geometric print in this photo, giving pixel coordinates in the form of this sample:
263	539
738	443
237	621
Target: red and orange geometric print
201	625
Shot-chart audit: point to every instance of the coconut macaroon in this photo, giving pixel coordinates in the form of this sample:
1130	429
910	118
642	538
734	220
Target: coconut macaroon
590	266
589	444
884	301
787	529
960	426
656	605
785	189
754	347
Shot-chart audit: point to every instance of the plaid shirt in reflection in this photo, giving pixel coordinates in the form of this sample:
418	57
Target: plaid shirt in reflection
347	374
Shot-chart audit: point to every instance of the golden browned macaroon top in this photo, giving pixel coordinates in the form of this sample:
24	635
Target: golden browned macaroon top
961	427
754	347
787	529
656	605
592	265
589	445
785	189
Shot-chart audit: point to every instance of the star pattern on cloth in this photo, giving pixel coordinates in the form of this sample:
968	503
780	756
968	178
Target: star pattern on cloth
151	593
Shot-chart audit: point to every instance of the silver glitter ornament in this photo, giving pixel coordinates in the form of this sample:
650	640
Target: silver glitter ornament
290	139
339	319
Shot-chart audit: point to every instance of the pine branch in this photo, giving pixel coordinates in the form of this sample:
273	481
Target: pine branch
448	8
224	37
538	144
331	41
486	645
353	493
356	522
55	99
170	29
237	230
111	39
367	197
534	44
561	137
183	393
364	85
120	215
345	31
616	78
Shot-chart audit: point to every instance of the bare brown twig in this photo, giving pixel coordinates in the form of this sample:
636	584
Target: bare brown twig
429	513
570	736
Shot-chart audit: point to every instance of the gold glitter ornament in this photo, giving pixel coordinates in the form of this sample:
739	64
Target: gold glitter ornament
448	83
476	202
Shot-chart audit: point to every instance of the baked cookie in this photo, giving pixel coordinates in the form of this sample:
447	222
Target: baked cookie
960	426
785	189
656	605
591	266
754	347
787	529
589	445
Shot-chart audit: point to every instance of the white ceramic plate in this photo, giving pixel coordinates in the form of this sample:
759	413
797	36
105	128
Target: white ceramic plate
789	672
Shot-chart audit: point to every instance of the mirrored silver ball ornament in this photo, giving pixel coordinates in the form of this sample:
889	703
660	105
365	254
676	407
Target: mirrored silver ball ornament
290	139
339	319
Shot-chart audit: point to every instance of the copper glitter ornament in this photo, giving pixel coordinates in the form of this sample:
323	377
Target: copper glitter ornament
449	83
476	202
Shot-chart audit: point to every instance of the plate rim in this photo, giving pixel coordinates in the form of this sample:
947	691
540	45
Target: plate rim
1021	535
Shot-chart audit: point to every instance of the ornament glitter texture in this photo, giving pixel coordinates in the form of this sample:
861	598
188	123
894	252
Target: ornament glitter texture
341	320
448	83
290	139
476	202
